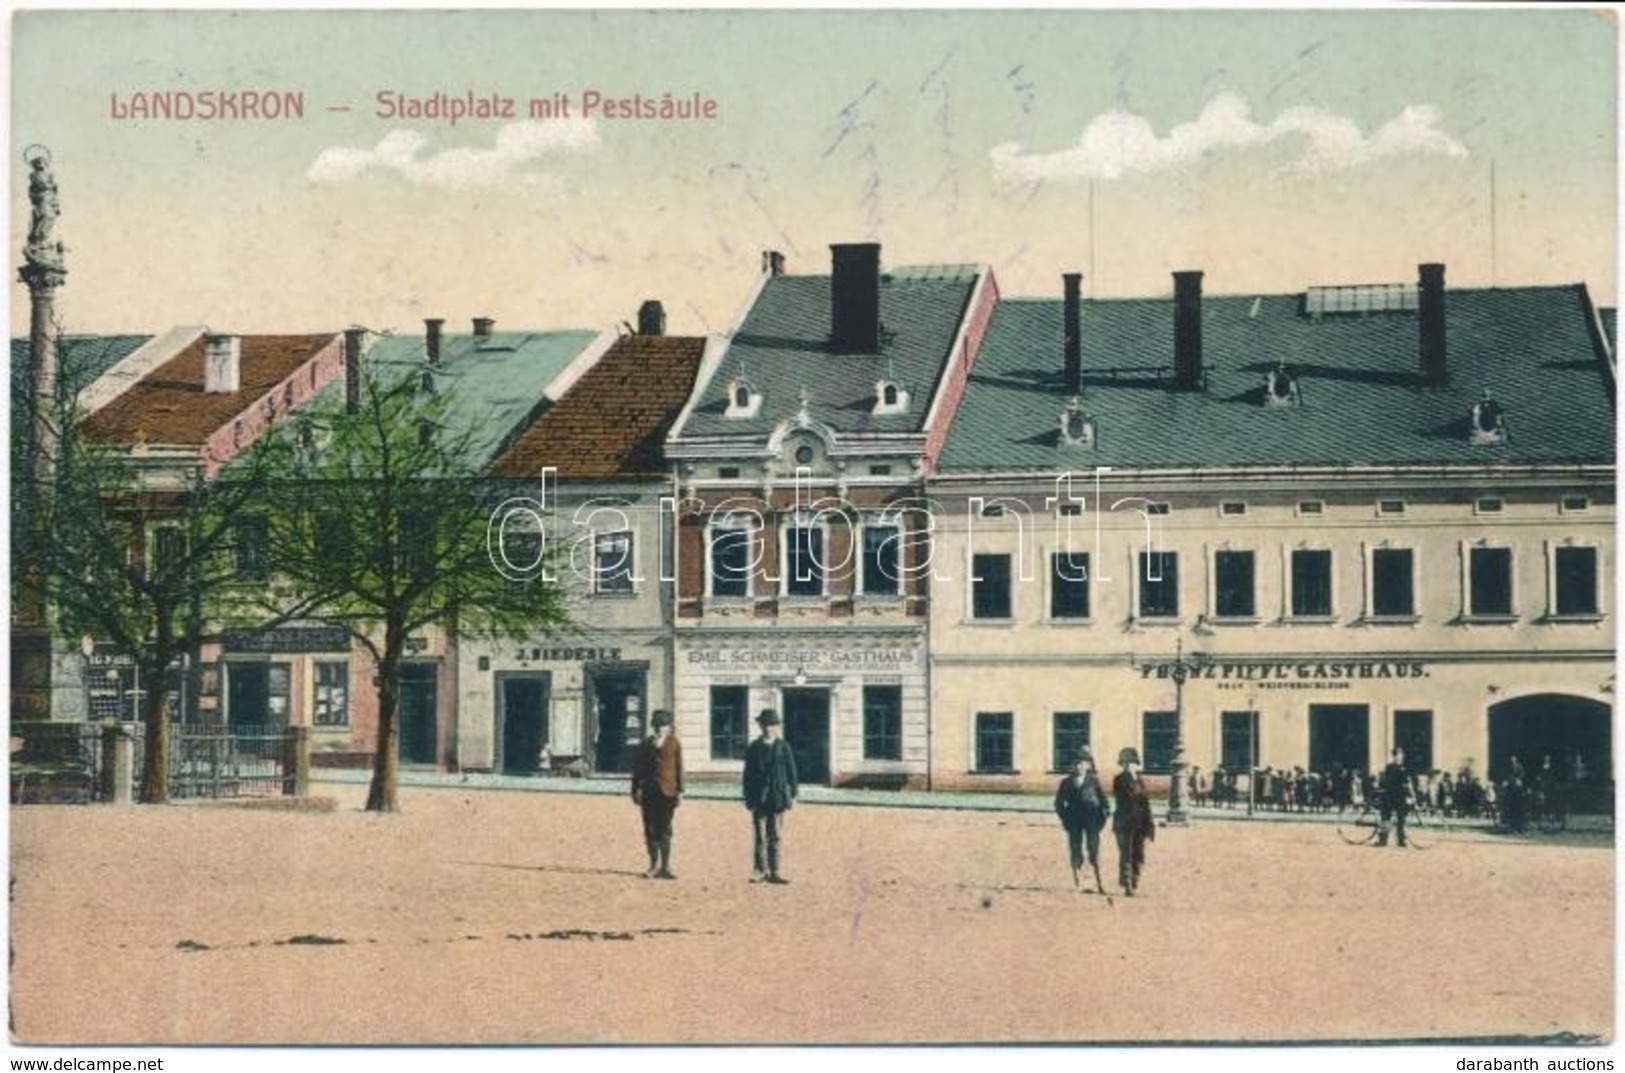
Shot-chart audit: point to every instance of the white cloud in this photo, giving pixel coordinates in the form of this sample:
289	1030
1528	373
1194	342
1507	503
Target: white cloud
1119	143
516	147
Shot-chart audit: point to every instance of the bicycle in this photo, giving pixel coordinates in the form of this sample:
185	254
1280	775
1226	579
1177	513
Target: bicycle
1369	821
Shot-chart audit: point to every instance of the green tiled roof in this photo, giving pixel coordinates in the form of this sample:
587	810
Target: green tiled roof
783	349
492	384
80	359
1359	375
1608	318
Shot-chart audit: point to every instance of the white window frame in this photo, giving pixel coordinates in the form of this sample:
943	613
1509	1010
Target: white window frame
1212	554
1368	555
1287	588
1015	742
1467	613
1482	510
1047	592
632	572
1583	508
1089	719
880	521
1600	594
970	587
1403	508
804	520
1179	587
731	522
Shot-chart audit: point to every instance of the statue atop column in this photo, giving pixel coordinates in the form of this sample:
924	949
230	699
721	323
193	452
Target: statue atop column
43	253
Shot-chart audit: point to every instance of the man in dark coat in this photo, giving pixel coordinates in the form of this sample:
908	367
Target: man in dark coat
1081	804
770	788
1132	823
657	787
1394	788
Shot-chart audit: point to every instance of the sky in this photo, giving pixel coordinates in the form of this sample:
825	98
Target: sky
1271	149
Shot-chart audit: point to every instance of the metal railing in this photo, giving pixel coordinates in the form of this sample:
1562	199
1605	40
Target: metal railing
63	762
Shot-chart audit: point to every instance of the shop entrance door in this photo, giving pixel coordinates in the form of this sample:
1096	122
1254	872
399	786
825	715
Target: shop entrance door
417	714
522	702
806	728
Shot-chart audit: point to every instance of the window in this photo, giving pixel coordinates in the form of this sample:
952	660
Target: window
1070	736
1159	584
1393	582
727	473
332	694
990	586
1312	507
1576	581
804	560
168	546
1311	584
995	742
729	734
1071	510
880	470
333	545
1390	508
882	722
1574	504
1159	508
612	562
1069	585
253	549
1489	505
730	560
1161	731
1233	585
1489	577
1413	732
416	544
882	546
1238	747
1232	510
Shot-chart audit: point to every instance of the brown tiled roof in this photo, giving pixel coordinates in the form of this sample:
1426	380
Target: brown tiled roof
169	405
613	421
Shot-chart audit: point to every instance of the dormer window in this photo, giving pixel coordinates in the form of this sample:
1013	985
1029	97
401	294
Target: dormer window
1488	422
743	400
890	398
1281	388
1077	425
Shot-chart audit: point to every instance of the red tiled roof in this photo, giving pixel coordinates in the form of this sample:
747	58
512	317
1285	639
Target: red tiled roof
613	421
169	405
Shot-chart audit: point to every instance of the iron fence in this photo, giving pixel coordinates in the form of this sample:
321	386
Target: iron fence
62	762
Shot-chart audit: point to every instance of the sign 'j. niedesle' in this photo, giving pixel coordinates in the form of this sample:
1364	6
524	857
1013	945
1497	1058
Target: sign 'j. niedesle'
1291	670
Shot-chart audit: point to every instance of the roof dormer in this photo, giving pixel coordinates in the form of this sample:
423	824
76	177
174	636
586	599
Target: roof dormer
1281	388
890	398
743	399
1077	425
1487	422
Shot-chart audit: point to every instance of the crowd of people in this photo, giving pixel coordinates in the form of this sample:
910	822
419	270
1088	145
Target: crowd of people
1433	793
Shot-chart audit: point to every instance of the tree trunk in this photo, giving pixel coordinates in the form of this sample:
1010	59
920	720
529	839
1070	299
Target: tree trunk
155	769
381	795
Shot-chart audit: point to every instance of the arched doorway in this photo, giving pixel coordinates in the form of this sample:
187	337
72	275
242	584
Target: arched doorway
1575	732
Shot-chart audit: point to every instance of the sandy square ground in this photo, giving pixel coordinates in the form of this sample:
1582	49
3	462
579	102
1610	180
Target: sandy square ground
501	917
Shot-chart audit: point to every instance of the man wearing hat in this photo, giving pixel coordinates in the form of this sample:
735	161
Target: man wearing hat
1080	802
770	788
657	787
1133	824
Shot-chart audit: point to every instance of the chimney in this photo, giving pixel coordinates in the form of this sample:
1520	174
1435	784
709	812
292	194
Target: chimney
772	263
352	368
855	298
222	363
431	338
1187	331
1430	322
1071	333
651	318
482	327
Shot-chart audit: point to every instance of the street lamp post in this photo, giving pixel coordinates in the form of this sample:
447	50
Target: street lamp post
1177	817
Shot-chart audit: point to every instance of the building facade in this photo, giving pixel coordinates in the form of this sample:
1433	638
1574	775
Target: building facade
1279	531
800	527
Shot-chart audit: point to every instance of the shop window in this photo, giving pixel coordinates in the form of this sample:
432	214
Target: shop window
730	560
1575	591
1160	732
1311	584
1069	737
332	694
1413	732
1069	585
882	548
729	722
990	586
1233	589
882	722
804	560
995	742
1489	573
612	562
1238	746
1393	582
1159	584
